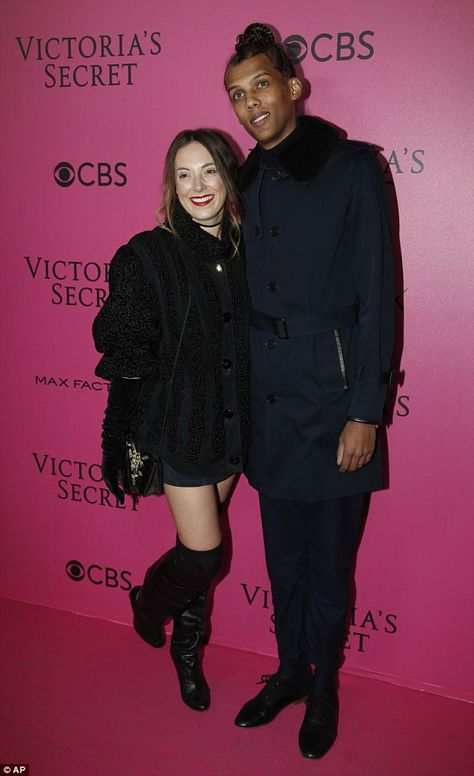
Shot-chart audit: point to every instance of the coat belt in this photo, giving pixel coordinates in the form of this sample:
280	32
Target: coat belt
284	328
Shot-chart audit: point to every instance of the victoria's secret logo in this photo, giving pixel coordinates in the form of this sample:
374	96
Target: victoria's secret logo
78	481
72	61
72	282
405	160
363	623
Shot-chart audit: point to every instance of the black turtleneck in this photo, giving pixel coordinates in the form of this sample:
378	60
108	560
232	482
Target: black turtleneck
271	156
303	153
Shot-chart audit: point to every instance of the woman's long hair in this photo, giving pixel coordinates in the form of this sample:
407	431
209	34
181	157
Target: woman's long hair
226	165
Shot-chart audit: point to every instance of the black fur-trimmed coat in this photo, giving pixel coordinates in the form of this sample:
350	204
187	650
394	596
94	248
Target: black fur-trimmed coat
320	272
138	331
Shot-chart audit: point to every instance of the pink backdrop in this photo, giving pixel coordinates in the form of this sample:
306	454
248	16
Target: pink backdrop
104	109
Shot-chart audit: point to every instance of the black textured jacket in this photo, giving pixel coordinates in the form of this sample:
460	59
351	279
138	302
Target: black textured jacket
138	330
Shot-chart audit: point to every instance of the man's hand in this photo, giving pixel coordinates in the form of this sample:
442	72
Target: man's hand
356	446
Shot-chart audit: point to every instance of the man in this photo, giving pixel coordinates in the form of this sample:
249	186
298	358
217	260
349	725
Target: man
321	281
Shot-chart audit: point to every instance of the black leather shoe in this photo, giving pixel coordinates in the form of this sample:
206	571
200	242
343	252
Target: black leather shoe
277	694
319	729
150	631
189	633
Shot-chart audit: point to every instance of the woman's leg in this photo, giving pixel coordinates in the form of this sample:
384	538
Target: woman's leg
196	557
184	572
195	512
224	488
196	515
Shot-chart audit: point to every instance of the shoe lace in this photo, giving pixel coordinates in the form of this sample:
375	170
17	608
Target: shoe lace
272	687
319	707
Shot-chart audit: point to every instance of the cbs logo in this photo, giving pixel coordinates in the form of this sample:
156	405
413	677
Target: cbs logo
326	46
98	575
90	174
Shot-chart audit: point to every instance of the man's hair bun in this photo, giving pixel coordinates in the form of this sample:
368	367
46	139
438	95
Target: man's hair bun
258	39
256	33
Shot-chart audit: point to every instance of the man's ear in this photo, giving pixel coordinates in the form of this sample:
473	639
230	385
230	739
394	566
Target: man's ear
296	88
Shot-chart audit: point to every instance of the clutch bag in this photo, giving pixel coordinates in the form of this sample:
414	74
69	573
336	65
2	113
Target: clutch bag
145	471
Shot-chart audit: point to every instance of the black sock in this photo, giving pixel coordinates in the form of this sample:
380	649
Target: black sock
292	668
324	681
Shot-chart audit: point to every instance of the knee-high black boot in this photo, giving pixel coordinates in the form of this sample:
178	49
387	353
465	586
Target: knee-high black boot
170	584
189	633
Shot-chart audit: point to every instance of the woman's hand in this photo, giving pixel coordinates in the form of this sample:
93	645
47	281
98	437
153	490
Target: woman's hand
123	395
114	468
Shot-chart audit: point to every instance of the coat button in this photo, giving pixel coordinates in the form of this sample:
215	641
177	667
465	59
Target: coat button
219	268
272	287
235	460
228	413
276	175
271	398
226	363
226	317
256	231
274	231
270	343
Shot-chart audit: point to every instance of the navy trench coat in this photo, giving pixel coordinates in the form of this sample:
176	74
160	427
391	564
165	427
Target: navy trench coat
320	272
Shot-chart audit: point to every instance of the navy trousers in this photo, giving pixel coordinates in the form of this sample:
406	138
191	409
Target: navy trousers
310	550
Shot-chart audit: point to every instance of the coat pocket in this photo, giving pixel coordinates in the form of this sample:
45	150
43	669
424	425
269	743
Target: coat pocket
331	359
341	359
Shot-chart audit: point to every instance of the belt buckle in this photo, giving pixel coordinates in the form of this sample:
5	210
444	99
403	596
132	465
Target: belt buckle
276	328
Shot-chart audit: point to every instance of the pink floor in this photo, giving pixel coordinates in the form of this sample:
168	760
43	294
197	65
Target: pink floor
83	697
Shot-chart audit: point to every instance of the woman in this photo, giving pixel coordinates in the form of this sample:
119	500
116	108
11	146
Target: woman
175	349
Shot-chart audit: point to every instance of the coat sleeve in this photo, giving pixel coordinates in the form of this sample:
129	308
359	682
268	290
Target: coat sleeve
371	263
127	328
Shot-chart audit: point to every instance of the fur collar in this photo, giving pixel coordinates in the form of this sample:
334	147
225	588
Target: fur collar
303	158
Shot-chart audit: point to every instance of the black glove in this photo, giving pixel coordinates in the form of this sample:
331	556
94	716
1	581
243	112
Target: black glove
122	399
